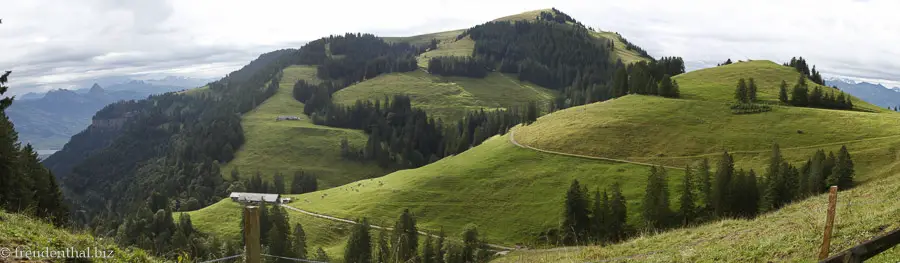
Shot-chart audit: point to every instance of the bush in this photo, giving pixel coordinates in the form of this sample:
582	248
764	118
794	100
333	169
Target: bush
749	108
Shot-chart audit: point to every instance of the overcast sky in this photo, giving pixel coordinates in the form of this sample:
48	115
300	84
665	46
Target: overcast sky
53	43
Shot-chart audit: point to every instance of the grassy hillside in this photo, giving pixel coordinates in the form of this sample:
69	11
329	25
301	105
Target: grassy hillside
223	219
31	234
619	51
792	234
718	83
653	128
449	98
286	146
511	193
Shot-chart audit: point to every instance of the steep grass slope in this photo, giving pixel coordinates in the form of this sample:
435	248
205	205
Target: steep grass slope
449	98
511	193
287	146
791	234
25	233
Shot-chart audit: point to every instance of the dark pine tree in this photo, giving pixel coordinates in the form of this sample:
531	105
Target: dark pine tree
576	220
656	199
359	246
618	213
405	238
721	192
782	92
687	207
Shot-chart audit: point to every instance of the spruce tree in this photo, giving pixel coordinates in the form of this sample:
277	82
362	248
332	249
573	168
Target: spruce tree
471	243
751	91
803	179
298	243
279	183
843	169
359	246
405	237
321	255
752	196
620	82
815	179
721	194
618	212
775	181
279	239
384	248
427	250
575	220
439	247
740	92
601	214
656	199
800	94
782	92
791	182
687	209
704	183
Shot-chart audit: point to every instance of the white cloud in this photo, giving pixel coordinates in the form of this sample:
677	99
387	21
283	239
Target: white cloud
52	43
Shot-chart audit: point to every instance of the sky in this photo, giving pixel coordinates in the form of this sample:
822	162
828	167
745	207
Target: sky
51	44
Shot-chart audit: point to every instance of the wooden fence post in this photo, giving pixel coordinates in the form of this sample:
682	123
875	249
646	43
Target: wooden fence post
251	235
829	223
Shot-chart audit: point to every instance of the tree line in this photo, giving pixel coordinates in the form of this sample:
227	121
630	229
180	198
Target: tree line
646	78
472	67
357	57
801	66
26	186
801	96
704	195
402	244
302	182
158	232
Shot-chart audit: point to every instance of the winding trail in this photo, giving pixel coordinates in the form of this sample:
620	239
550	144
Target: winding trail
495	246
512	139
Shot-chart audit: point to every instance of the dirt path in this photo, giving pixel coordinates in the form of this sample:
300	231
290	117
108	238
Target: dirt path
512	139
495	246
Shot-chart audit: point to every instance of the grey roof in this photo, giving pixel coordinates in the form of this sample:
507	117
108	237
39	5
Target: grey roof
255	197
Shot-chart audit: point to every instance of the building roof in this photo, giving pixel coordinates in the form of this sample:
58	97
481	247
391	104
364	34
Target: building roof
255	196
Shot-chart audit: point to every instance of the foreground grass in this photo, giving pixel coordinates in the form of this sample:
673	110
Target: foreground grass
449	98
791	234
223	219
511	193
19	231
287	146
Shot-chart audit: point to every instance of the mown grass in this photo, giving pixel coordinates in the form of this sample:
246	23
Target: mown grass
511	193
26	233
223	220
791	234
449	98
287	146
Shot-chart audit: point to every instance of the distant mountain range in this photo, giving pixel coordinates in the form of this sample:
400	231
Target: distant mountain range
873	93
48	120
